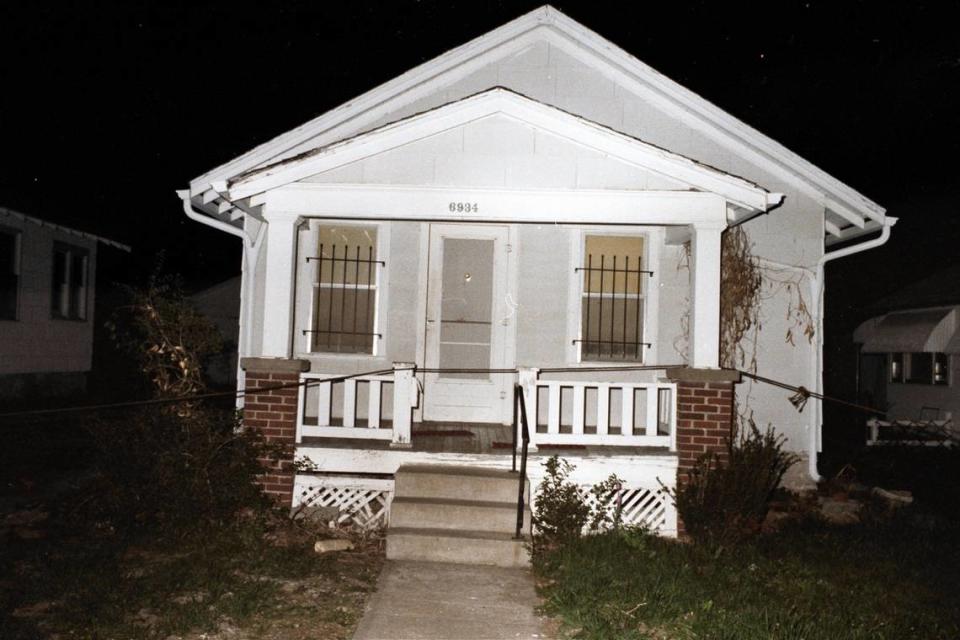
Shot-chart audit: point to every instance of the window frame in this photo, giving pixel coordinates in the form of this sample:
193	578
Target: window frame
307	292
906	366
72	314
17	235
652	239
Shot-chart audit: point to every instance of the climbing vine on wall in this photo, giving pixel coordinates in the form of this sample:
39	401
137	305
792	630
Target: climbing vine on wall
745	284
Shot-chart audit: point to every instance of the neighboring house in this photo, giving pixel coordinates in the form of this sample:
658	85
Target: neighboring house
908	357
535	206
220	304
47	293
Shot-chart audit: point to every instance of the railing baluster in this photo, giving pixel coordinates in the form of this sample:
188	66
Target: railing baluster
324	400
579	391
653	410
603	409
349	403
373	405
626	406
553	408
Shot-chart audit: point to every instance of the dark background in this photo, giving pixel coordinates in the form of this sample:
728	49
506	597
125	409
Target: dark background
109	107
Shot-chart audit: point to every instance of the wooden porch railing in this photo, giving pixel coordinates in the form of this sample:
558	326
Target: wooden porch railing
336	412
577	412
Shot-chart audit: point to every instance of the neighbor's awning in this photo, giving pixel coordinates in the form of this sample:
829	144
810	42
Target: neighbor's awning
932	330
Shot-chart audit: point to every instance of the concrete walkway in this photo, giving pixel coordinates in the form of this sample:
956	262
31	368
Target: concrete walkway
419	600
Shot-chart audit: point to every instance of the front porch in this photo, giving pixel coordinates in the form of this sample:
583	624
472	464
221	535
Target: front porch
354	433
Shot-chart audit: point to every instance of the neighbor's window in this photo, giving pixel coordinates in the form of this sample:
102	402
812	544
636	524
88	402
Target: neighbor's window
69	291
941	368
611	298
9	273
346	281
920	368
896	367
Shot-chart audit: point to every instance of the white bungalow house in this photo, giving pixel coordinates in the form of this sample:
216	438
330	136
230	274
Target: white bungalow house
535	207
47	293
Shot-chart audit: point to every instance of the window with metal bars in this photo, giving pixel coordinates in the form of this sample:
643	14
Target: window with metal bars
346	280
612	298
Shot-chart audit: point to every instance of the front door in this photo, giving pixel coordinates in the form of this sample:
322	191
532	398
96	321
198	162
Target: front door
467	325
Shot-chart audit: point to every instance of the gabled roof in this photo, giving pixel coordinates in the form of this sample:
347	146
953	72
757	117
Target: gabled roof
850	212
10	213
506	103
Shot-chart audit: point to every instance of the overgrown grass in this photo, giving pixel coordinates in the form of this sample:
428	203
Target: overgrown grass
150	588
893	580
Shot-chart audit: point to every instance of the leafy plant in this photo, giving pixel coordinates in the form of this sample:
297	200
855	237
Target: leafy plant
723	501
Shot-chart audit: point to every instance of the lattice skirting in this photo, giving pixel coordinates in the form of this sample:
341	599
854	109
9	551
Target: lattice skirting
650	508
359	502
365	502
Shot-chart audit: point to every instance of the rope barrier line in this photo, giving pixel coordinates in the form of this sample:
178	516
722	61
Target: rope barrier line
799	400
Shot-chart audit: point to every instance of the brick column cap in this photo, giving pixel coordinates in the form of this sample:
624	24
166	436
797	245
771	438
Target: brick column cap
275	365
690	374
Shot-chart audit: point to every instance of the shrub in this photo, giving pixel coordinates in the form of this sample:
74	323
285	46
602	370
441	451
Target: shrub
179	464
561	512
722	502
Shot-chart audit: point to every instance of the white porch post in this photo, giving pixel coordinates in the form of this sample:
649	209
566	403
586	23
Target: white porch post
704	347
405	397
278	295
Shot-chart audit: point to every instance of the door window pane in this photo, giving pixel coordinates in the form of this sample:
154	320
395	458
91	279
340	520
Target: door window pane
466	307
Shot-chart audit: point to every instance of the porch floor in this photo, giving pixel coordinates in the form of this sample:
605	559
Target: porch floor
467	437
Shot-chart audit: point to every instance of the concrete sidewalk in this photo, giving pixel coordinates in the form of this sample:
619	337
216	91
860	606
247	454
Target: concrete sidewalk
437	600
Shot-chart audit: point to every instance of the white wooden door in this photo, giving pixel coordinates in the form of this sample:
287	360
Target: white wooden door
467	324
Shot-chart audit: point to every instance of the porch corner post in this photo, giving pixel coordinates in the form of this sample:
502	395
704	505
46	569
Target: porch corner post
406	396
705	400
527	379
278	297
705	252
274	414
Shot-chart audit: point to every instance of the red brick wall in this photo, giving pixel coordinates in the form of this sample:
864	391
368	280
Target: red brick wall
704	420
274	414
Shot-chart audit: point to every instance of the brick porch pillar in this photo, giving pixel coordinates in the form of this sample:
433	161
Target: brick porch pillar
274	414
704	416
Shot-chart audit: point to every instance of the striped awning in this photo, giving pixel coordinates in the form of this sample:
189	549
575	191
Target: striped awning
931	330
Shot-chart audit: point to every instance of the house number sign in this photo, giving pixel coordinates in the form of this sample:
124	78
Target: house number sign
464	207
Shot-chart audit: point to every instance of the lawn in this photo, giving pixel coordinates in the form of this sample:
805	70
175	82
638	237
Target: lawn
254	575
891	578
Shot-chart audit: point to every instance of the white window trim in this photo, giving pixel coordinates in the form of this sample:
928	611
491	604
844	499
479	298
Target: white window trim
305	291
652	240
83	301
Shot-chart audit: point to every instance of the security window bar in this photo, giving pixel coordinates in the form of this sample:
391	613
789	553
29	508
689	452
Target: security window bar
9	274
612	299
69	290
345	291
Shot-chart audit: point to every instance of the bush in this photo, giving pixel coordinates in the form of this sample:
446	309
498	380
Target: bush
561	512
722	502
178	464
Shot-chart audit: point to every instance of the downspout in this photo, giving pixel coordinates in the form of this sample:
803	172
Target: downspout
817	286
251	253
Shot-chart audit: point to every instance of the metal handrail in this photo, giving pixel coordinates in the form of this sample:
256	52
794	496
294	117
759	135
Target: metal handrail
520	407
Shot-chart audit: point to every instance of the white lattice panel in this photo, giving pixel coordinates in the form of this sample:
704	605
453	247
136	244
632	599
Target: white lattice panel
361	502
651	508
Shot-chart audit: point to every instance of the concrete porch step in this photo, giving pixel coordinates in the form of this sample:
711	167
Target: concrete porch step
458	483
445	513
463	547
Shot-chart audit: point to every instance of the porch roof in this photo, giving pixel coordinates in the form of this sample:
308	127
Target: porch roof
500	101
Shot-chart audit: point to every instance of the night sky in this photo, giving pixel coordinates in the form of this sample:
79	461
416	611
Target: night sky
108	107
